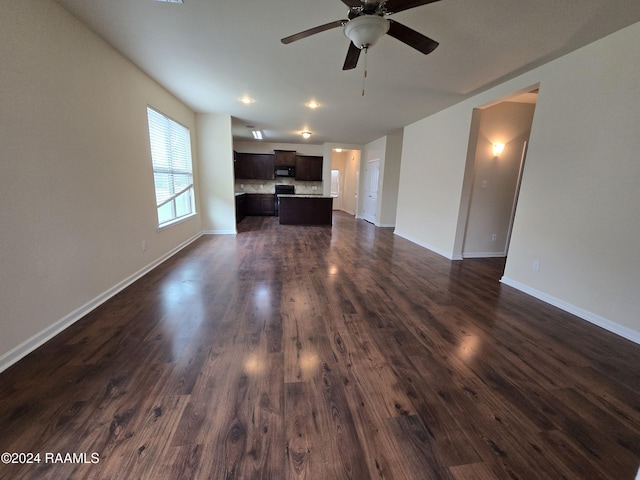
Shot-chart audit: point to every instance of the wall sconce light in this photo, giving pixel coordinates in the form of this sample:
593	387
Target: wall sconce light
305	134
498	148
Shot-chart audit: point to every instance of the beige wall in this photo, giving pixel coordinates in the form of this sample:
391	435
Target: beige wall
76	184
578	207
577	210
269	147
215	148
433	166
391	179
351	180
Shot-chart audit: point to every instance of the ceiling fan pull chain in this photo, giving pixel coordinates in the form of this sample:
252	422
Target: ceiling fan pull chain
364	75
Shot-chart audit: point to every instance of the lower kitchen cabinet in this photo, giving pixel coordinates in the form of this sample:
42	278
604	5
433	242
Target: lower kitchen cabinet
260	204
241	207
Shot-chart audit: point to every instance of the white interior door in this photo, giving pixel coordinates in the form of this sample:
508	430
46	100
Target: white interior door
370	203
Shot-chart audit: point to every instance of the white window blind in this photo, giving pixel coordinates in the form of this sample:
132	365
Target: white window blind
172	167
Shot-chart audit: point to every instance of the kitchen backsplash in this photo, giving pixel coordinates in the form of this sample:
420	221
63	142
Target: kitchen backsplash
269	186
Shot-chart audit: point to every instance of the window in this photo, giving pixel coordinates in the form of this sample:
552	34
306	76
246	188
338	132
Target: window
172	167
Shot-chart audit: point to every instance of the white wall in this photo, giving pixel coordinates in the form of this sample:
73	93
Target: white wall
76	183
215	147
577	210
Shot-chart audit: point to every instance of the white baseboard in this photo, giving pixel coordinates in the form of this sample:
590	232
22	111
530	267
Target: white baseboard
590	317
483	254
386	225
446	255
28	346
219	232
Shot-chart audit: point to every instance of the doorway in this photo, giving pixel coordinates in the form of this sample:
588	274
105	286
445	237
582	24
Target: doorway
347	163
370	203
493	176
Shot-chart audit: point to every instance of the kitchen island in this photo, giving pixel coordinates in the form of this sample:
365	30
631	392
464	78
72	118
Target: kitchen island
305	209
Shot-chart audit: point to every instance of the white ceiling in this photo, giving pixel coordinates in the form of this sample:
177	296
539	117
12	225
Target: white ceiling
209	53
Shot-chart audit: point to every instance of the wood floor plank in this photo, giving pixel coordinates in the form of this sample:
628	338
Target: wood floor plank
290	352
475	471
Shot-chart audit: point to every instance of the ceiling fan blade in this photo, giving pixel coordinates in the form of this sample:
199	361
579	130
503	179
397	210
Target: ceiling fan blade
352	3
313	31
395	6
411	37
353	54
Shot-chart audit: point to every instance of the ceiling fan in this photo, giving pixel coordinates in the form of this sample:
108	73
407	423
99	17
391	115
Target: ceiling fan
366	23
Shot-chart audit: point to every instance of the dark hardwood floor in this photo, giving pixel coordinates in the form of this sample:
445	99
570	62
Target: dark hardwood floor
290	352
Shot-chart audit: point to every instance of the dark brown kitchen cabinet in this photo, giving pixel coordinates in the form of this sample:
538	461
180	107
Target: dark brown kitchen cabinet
241	207
285	158
260	204
242	165
254	166
309	168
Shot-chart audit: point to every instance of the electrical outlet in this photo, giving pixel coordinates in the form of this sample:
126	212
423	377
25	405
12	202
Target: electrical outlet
494	237
483	184
535	266
144	245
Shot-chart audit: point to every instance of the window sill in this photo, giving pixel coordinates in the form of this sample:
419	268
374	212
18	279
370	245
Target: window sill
164	226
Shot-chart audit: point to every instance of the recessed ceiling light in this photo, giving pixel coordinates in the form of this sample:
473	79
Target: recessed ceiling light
305	134
337	150
312	104
246	100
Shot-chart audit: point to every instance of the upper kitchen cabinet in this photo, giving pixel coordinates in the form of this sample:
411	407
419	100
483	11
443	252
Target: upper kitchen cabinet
285	158
257	166
309	168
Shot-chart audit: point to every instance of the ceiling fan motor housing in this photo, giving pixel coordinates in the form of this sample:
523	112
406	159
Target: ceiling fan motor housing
364	31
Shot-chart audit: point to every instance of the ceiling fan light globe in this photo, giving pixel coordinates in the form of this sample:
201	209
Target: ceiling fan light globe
366	30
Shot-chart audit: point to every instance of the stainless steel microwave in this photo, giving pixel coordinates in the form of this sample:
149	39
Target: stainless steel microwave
285	171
